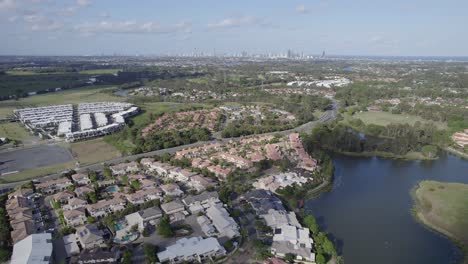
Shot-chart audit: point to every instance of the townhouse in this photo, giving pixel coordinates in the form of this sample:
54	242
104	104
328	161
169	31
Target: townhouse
63	197
293	240
236	160
82	191
75	203
144	217
81	179
89	236
105	207
171	189
124	168
142	196
75	217
194	249
52	186
200	183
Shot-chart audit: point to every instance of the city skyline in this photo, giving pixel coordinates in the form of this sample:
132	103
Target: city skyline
93	27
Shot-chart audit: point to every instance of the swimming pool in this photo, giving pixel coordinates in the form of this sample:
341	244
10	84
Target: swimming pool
119	226
112	189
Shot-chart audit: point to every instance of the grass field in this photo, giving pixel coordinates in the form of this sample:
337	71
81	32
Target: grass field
385	118
162	107
444	208
100	71
13	131
93	151
27	73
74	96
35	173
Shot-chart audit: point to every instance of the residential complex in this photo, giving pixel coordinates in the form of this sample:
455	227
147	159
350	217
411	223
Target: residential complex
76	122
145	192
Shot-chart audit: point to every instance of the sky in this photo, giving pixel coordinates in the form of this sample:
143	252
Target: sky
157	27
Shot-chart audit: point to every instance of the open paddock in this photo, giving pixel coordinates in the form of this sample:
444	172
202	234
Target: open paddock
93	151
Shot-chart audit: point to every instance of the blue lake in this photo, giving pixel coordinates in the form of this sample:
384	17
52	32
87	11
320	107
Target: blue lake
368	210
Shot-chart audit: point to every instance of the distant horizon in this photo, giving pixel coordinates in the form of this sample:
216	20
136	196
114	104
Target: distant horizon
232	55
358	28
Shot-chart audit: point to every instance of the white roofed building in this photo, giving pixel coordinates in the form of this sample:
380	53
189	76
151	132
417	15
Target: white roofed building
85	122
64	128
101	119
34	249
194	249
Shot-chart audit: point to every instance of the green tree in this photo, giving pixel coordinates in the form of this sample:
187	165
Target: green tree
290	257
90	220
127	257
135	185
319	259
164	227
150	253
125	180
430	151
328	247
311	223
92	197
92	175
106	171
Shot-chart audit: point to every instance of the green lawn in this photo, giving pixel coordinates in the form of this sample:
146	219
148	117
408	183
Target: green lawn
14	131
385	118
100	71
444	207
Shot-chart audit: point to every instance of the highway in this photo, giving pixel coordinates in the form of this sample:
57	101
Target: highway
329	115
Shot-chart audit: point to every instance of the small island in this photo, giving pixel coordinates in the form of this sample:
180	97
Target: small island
444	207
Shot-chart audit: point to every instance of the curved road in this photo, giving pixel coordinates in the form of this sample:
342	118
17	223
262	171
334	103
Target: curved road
329	115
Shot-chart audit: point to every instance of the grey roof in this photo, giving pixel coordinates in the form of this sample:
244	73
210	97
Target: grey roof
98	254
285	247
150	212
89	233
170	206
34	249
262	201
200	197
187	247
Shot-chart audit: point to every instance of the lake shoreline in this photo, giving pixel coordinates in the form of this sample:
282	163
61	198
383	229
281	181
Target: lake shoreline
386	155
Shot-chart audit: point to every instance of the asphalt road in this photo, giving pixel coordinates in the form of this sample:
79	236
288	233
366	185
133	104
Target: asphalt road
33	157
330	115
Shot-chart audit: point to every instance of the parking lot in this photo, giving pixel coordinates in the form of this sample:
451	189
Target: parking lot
34	157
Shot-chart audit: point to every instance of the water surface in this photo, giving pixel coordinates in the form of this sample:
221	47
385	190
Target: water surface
368	210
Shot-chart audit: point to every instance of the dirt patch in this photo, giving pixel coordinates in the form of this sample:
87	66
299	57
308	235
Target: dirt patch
93	151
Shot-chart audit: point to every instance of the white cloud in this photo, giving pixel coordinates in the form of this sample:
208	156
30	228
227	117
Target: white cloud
12	19
235	22
83	2
104	15
42	23
7	5
131	27
68	11
302	9
378	41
